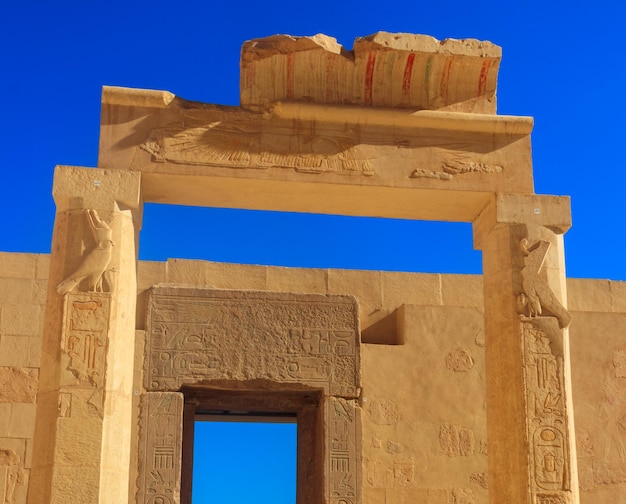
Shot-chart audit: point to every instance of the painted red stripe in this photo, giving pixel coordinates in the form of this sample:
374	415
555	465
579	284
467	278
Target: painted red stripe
289	76
369	77
482	80
406	79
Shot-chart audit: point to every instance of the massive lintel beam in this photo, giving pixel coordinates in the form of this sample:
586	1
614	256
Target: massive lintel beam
349	160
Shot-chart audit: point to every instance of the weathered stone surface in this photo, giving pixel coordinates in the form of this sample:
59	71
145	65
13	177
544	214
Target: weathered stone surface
199	335
18	385
160	448
384	69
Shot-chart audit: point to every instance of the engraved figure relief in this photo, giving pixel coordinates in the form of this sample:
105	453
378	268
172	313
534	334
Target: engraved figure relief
11	473
234	145
95	265
546	411
452	167
536	295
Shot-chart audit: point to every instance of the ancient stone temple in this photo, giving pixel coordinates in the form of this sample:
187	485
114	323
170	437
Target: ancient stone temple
504	388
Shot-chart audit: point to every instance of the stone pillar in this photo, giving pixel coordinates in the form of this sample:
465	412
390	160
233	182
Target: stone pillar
82	440
531	446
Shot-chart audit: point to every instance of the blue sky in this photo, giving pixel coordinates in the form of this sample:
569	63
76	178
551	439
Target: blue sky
563	63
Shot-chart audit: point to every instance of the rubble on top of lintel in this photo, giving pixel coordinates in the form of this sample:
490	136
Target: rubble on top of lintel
398	70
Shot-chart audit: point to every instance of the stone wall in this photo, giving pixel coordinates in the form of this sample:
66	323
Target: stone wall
23	282
423	412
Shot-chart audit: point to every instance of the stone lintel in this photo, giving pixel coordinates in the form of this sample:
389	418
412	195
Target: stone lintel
353	146
282	339
397	70
79	187
313	197
552	212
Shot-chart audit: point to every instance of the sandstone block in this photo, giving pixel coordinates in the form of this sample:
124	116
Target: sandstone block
281	337
22	423
14	350
18	385
313	281
406	288
21	320
16	290
14	265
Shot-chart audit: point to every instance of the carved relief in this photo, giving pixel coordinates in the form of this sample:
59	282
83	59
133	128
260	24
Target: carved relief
343	435
455	441
546	411
11	474
400	473
619	363
480	479
384	412
235	145
459	360
536	295
95	264
454	167
217	334
84	349
483	447
545	498
463	496
160	446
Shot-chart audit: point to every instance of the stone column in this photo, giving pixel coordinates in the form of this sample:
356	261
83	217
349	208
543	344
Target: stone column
531	446
82	435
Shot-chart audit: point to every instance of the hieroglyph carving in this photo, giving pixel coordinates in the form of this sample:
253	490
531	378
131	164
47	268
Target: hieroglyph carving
536	294
459	360
455	441
95	264
160	448
84	350
11	474
546	413
204	334
400	473
343	419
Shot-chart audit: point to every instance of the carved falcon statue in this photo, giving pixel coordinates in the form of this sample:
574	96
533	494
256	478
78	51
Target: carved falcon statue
93	267
95	263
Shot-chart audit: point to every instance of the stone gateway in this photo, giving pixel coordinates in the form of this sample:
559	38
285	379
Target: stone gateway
406	388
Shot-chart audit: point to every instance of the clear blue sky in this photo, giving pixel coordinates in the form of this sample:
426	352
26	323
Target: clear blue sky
563	63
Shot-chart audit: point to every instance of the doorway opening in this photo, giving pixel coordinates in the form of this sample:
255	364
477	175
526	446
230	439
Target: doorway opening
244	457
261	446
